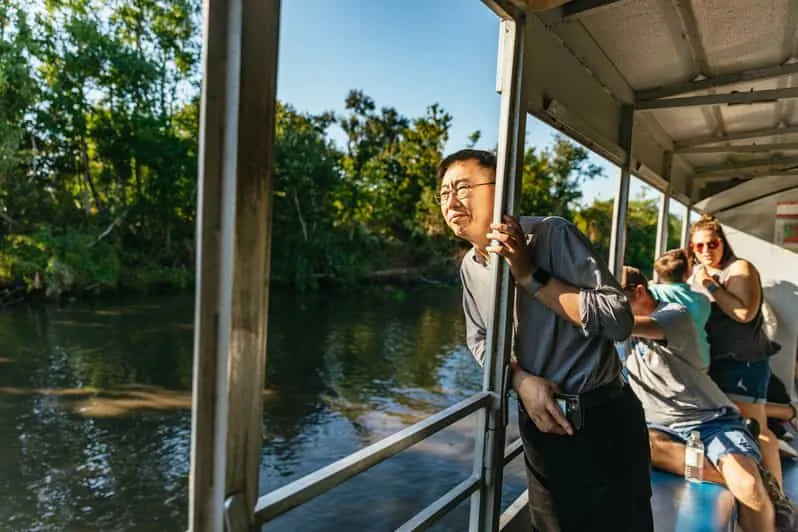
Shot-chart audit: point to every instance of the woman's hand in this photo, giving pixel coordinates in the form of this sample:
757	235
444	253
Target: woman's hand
706	280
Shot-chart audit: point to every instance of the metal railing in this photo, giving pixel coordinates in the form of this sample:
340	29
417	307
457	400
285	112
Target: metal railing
314	484
484	485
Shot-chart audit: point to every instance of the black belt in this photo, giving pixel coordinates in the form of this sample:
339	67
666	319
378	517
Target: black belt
575	405
602	394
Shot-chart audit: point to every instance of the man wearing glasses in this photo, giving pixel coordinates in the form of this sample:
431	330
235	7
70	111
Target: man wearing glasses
584	433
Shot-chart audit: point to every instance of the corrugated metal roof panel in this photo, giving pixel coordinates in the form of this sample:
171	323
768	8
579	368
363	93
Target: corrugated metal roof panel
644	44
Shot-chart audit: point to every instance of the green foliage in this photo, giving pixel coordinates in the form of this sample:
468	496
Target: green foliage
22	258
70	262
389	168
343	214
99	107
552	178
641	230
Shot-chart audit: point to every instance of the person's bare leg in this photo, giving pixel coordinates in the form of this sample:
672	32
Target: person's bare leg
779	411
743	480
668	455
767	440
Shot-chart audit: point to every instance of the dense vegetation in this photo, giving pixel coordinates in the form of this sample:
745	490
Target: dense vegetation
98	158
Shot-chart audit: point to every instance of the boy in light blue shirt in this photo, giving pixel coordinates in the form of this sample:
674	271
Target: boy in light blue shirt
673	269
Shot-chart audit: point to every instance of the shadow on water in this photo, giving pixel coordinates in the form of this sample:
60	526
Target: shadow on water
95	409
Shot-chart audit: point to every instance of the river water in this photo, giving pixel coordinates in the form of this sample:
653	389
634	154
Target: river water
95	417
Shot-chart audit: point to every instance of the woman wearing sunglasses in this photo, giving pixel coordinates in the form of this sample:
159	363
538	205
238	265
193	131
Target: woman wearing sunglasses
738	344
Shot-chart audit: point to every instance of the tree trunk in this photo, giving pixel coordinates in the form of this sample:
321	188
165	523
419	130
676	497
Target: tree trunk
137	174
299	215
34	152
84	154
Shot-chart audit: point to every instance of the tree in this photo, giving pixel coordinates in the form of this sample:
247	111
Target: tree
110	129
307	241
389	176
552	178
18	94
641	230
99	106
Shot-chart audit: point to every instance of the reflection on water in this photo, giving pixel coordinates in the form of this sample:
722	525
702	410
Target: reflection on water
95	409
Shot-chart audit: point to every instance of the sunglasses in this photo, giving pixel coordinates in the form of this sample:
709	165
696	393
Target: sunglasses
699	246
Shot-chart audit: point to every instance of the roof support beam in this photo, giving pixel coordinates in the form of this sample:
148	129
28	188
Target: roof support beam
702	179
691	41
742	135
731	98
577	8
747	148
757	198
505	8
717	81
732	166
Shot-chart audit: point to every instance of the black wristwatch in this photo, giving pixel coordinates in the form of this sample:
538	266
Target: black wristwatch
540	278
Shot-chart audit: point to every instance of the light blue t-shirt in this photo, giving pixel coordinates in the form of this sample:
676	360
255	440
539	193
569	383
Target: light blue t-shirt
697	304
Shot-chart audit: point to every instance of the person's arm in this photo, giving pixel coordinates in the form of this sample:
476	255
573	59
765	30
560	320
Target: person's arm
475	326
558	296
535	393
741	297
647	327
581	290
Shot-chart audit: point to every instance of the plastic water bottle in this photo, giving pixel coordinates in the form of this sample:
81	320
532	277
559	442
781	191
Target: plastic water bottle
694	458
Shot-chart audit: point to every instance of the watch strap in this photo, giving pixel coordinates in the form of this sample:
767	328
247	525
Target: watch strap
539	278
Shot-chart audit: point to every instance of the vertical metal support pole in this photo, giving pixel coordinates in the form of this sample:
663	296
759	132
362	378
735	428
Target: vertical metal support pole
686	226
236	160
621	204
489	450
663	217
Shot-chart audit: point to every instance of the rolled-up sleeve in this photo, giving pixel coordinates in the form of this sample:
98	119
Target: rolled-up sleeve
603	307
475	326
605	312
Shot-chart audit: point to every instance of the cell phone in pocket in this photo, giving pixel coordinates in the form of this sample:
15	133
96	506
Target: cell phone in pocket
571	407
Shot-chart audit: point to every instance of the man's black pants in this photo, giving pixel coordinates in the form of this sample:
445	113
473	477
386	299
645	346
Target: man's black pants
599	479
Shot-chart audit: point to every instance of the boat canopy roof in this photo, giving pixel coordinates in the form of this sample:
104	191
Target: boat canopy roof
710	82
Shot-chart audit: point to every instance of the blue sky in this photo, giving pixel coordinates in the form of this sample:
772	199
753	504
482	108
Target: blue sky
406	54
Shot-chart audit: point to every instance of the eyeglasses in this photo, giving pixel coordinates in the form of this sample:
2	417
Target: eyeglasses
461	191
699	246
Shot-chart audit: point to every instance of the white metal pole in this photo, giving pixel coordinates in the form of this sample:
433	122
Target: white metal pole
489	448
621	204
236	156
686	226
663	216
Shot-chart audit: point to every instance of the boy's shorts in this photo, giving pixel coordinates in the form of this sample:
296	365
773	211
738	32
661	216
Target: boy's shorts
721	436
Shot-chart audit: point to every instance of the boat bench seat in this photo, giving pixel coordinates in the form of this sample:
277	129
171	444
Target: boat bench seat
789	470
678	505
682	506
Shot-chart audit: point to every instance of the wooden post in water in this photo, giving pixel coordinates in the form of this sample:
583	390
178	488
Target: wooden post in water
236	168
